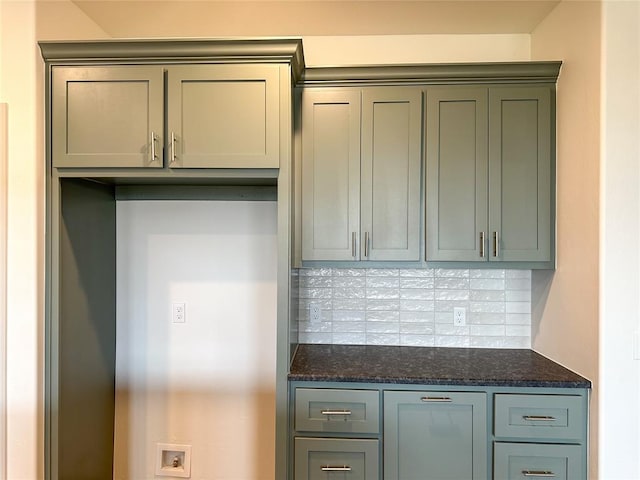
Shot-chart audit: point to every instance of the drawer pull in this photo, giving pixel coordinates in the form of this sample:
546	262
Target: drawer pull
335	412
436	399
539	418
538	473
335	468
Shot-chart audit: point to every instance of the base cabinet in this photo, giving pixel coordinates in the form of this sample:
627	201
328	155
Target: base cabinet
424	432
440	434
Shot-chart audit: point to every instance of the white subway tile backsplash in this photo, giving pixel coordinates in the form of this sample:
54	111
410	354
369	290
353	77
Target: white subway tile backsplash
383	327
417	328
383	339
377	304
518	283
417	272
451	283
415	306
487	284
349	339
349	327
487	273
383	282
452	294
417	340
377	316
518	319
451	272
417	282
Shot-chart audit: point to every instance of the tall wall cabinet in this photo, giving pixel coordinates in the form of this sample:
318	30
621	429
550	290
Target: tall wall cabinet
149	120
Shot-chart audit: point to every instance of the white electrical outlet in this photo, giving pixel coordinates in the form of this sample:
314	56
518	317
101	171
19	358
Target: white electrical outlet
459	316
178	312
314	313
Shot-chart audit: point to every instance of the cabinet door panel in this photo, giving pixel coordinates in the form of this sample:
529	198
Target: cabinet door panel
104	117
520	173
435	435
456	137
330	175
224	116
391	149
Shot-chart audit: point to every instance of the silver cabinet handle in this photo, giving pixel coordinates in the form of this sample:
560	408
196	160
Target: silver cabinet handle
154	154
436	399
496	247
482	244
366	244
539	418
335	412
335	468
538	473
173	148
353	244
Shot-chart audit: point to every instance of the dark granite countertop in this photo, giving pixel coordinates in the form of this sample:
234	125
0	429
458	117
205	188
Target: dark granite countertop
431	365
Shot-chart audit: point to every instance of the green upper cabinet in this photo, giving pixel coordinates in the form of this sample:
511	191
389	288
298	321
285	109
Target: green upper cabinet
330	174
223	116
361	157
489	174
457	173
520	215
217	116
107	116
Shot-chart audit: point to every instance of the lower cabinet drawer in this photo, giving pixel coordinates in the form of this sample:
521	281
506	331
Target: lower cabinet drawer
339	458
549	417
537	461
337	410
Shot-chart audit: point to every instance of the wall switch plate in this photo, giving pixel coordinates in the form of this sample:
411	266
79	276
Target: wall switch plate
173	460
178	312
459	316
314	313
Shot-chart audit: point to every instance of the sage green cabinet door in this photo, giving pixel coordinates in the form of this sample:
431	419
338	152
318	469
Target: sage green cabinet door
333	458
391	158
223	116
435	435
330	174
107	116
513	461
520	173
456	171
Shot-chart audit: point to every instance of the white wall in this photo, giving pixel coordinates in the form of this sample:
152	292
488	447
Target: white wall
22	23
209	382
619	415
402	49
565	302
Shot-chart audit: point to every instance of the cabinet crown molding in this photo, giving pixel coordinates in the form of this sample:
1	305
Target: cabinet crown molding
223	50
440	73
